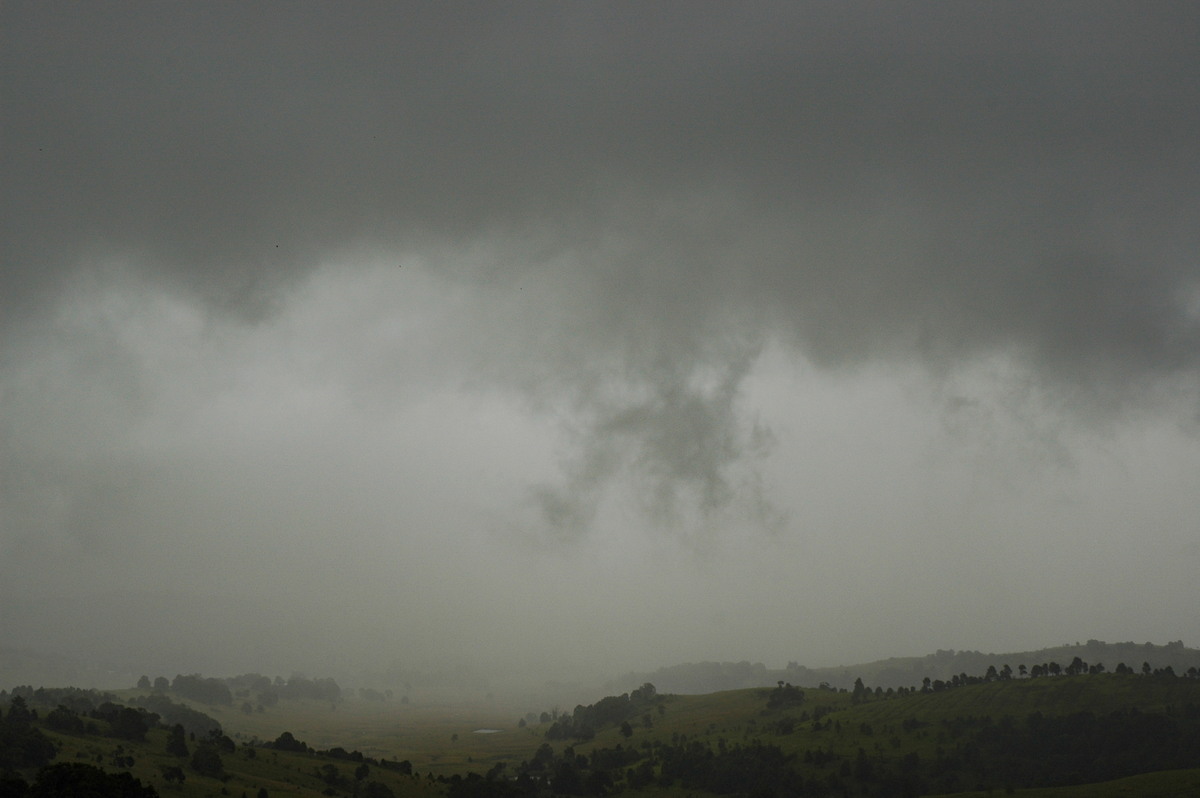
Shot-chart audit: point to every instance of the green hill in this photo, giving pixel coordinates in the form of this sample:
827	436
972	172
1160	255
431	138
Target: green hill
1066	735
896	672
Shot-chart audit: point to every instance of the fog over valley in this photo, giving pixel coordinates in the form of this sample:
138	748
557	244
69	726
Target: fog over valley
545	343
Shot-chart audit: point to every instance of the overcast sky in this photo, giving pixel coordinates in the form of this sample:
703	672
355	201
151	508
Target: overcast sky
580	338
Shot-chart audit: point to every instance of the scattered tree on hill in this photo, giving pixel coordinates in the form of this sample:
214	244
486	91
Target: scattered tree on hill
19	714
144	682
330	775
126	723
220	741
78	779
286	742
643	694
193	720
206	691
207	761
22	745
177	741
65	720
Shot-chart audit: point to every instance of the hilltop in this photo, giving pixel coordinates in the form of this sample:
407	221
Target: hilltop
897	672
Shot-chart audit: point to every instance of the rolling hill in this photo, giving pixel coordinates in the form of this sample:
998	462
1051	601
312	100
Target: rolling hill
983	733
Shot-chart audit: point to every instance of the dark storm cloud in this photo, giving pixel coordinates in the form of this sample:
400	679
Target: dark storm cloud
860	180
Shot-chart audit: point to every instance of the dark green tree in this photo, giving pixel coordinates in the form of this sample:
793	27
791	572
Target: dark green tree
207	762
177	741
128	723
64	720
19	714
286	742
330	775
23	746
87	781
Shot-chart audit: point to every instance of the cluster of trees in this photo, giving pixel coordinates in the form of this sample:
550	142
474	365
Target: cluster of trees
611	710
195	687
76	778
288	742
198	750
749	769
567	773
266	691
1079	748
71	709
786	696
357	782
83	712
972	753
22	745
1077	667
335	777
171	713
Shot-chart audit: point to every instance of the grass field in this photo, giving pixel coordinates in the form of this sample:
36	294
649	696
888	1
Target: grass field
442	740
280	773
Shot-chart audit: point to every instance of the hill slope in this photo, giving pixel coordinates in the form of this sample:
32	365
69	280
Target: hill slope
976	734
896	672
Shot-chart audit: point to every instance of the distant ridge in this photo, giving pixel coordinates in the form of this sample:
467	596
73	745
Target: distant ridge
708	677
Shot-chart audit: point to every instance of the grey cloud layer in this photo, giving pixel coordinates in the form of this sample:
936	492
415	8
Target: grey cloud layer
658	188
978	178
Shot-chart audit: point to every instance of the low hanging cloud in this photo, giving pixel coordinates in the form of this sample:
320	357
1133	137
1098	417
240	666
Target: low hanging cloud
684	444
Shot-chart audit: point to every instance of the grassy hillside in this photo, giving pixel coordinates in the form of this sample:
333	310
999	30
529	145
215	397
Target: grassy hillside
1000	735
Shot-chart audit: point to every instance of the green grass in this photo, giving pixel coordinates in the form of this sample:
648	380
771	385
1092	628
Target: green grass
280	772
440	740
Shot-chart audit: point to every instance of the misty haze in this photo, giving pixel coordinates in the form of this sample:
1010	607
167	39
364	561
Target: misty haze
529	351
